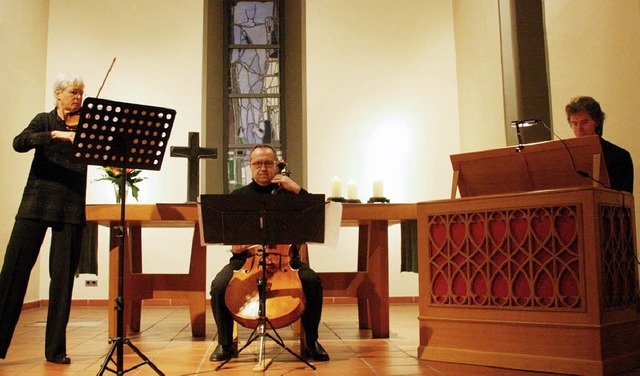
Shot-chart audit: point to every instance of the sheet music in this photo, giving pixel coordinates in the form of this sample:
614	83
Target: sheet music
332	221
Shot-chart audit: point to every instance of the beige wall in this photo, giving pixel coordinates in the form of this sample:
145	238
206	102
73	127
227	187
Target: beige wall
158	49
381	104
481	99
393	88
158	46
381	96
594	50
23	42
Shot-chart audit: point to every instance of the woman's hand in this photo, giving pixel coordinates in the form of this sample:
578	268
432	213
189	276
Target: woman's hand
63	135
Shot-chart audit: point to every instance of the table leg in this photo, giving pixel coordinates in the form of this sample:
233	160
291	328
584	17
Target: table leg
197	297
133	306
362	294
378	272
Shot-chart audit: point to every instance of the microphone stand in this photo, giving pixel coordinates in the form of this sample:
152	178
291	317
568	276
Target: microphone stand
518	124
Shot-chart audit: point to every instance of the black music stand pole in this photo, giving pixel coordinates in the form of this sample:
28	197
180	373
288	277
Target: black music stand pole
265	220
117	344
125	135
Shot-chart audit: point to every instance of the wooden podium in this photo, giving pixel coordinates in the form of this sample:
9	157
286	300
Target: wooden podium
533	268
545	165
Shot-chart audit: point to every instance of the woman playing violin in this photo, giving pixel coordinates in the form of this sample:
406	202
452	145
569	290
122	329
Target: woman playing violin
266	180
54	197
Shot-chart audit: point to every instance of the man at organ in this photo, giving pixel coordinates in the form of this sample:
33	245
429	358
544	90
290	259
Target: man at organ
266	180
586	118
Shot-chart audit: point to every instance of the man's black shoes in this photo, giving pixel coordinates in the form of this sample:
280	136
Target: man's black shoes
316	352
313	351
60	360
222	353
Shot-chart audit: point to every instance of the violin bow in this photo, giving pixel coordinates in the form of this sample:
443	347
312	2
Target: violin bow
105	77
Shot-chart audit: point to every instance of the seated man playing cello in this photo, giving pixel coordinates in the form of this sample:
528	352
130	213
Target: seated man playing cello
266	179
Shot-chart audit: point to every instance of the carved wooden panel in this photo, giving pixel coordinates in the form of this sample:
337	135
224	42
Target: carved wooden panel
618	257
508	258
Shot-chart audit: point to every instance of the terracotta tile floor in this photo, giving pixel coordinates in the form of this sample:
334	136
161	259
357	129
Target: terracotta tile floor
166	339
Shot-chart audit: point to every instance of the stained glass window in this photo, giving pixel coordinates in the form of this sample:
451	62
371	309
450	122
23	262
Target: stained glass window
253	84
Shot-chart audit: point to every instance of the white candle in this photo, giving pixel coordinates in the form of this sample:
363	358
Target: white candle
352	190
336	187
377	188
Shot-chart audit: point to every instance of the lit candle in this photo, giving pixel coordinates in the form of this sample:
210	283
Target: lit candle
352	190
336	187
377	188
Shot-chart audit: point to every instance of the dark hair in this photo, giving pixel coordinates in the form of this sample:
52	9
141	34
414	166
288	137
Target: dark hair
588	104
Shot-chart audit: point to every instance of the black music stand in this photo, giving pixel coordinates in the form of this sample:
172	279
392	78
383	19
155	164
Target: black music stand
122	135
265	220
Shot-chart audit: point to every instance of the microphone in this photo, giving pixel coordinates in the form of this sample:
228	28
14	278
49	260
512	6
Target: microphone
525	123
517	124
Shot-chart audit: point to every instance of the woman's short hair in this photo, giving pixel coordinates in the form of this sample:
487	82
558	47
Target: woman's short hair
64	80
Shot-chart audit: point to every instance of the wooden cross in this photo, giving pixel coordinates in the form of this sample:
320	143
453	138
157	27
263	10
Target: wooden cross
193	153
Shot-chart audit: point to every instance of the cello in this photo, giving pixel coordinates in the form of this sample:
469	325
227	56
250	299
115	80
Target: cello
268	271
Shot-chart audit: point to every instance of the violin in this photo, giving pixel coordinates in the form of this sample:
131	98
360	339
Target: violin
73	118
285	300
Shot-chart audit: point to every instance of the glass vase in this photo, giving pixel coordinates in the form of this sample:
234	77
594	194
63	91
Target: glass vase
116	191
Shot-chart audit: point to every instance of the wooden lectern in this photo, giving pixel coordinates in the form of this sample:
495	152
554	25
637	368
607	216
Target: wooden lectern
545	165
534	267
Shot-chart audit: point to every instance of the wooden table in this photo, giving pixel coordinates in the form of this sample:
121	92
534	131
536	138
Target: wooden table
370	283
139	286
